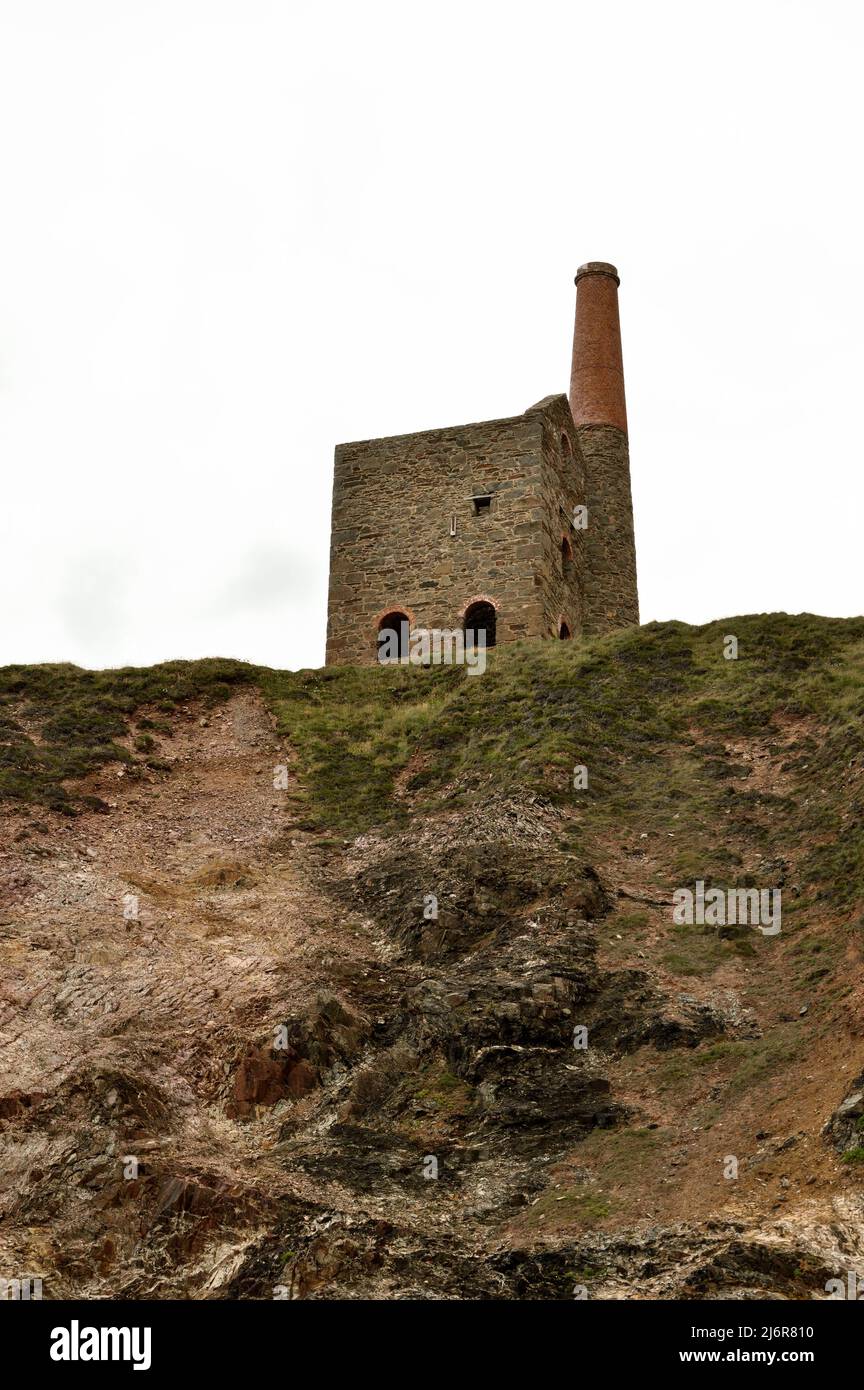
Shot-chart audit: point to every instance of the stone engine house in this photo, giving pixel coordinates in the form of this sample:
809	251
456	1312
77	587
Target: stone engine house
521	527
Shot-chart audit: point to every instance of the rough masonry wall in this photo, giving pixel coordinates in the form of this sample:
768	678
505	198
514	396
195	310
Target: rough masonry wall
391	548
562	490
611	597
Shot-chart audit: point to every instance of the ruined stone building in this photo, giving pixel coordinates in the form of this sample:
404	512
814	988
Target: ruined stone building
514	528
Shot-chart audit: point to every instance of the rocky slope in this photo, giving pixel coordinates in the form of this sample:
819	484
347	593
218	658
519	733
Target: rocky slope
292	967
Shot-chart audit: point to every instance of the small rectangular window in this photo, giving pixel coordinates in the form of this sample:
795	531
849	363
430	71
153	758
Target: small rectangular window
482	504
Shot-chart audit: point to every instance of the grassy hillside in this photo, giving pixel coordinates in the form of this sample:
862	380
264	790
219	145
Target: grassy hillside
652	713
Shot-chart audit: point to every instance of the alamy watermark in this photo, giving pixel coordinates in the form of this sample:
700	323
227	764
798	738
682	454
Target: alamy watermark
720	907
852	1288
77	1343
21	1289
423	646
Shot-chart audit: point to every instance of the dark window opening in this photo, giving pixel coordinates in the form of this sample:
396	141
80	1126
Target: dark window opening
393	637
482	504
566	446
480	621
564	632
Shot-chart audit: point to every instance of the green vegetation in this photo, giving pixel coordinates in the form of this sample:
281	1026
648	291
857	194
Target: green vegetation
695	951
449	1094
630	921
651	712
746	1062
355	730
622	1154
583	1206
655	714
58	723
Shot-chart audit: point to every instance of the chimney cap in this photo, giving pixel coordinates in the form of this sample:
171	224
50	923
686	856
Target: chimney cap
597	268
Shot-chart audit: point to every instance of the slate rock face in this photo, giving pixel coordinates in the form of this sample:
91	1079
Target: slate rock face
478	892
430	1124
325	1034
844	1129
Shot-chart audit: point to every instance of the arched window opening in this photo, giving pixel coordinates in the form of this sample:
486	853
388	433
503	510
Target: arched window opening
566	446
480	621
393	632
564	632
566	557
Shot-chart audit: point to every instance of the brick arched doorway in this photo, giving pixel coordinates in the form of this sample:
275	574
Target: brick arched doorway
393	637
480	624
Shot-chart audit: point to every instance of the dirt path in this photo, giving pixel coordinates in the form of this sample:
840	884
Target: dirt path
157	943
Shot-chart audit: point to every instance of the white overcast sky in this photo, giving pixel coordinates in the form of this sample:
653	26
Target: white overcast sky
234	233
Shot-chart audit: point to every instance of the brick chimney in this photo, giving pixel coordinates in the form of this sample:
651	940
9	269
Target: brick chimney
600	414
597	373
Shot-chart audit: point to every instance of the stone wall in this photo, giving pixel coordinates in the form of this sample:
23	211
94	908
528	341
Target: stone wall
395	501
563	489
611	597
